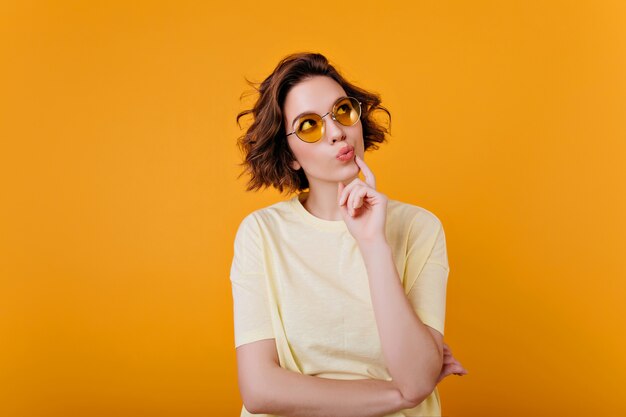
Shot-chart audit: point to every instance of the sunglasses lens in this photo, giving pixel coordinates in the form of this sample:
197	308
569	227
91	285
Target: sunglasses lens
348	111
310	128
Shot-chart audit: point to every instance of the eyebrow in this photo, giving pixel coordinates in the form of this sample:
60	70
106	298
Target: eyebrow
311	111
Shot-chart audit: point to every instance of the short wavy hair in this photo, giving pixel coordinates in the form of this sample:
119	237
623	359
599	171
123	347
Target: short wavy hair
267	156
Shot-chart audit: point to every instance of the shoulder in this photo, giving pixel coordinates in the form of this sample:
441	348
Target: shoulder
272	214
262	217
412	216
411	226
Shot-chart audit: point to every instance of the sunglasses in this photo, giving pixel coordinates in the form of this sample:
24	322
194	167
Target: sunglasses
310	127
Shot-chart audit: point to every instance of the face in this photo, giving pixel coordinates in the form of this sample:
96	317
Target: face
319	159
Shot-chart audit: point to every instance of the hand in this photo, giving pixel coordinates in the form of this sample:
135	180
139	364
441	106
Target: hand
450	365
363	208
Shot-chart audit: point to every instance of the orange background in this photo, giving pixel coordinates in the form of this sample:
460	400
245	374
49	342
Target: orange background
120	199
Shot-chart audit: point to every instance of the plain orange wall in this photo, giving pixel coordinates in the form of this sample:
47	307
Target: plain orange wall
120	197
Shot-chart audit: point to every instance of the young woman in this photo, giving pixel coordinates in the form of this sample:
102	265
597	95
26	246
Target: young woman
339	291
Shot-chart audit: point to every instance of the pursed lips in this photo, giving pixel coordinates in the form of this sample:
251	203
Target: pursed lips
345	150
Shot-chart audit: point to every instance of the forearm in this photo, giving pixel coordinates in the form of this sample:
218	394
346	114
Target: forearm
411	354
291	394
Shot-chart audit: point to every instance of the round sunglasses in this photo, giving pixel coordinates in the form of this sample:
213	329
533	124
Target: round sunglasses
310	127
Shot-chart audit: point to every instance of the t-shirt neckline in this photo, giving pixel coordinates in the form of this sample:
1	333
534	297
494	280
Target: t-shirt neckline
320	223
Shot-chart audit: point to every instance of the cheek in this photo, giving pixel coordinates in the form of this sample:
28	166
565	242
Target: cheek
298	151
314	160
305	155
302	153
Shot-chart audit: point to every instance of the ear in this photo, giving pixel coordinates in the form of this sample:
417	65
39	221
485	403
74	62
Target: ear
295	165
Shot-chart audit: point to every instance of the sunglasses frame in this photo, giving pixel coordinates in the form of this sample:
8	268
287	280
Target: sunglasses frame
332	115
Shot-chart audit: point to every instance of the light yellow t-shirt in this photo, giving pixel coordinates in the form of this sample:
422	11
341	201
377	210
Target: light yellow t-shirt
301	280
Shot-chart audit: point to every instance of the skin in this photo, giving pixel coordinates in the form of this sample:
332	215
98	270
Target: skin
318	160
335	190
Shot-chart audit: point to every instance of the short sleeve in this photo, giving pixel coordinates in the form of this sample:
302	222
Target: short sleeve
251	308
428	292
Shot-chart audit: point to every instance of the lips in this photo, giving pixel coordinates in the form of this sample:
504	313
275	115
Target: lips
345	150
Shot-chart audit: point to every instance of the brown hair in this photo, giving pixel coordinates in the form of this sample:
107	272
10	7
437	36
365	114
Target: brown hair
264	145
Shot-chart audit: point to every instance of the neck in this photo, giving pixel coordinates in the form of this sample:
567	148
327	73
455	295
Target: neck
321	200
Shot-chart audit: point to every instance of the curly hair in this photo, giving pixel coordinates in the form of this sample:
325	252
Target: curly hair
267	156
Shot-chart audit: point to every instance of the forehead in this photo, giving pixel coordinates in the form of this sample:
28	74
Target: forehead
316	95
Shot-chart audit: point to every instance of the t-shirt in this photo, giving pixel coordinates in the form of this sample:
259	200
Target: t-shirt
301	280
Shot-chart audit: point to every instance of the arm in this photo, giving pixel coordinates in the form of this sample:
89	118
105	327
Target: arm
288	393
268	388
413	356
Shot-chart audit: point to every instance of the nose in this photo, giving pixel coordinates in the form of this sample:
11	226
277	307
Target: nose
334	130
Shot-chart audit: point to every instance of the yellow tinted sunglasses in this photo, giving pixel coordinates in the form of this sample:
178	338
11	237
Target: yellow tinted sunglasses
310	127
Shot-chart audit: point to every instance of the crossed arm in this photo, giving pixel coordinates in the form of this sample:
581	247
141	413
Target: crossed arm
415	354
267	388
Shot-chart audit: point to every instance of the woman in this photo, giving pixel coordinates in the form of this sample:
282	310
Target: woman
338	292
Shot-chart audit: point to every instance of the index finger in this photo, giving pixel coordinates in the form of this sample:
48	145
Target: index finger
367	172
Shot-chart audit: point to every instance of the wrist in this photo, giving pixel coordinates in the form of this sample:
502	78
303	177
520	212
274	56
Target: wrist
374	245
